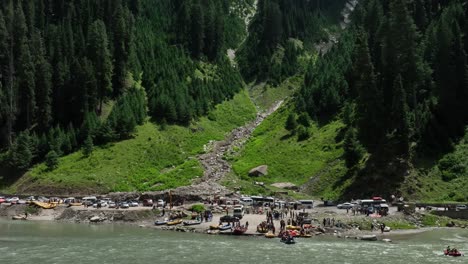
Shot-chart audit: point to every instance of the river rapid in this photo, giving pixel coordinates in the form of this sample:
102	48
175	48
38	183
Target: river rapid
50	242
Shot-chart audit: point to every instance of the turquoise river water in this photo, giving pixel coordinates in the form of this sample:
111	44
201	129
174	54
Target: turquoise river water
49	242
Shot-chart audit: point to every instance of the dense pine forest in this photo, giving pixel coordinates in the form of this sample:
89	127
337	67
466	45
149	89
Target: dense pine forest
83	73
399	79
396	77
375	94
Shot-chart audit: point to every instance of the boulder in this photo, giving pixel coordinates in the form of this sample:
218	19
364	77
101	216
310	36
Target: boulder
369	237
95	219
259	171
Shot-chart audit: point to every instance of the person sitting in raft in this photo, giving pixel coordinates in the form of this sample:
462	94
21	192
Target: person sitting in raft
448	248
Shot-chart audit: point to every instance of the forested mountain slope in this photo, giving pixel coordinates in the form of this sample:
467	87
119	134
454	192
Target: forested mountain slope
129	92
397	80
81	73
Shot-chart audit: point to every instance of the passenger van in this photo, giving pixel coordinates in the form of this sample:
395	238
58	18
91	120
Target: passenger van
307	204
238	212
90	200
246	201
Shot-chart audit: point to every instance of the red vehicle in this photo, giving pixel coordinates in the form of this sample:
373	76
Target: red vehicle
148	202
453	253
2	199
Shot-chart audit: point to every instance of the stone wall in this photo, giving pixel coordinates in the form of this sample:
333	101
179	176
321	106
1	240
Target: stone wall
462	214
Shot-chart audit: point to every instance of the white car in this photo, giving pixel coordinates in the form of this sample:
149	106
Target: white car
160	203
133	204
12	200
103	204
111	204
461	207
345	206
124	205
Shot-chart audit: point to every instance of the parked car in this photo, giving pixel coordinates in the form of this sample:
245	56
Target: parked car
461	207
102	203
161	203
229	218
12	200
111	204
2	199
345	206
147	202
124	205
88	203
133	203
69	200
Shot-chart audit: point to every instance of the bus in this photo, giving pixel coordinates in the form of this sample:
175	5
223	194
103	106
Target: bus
307	204
262	201
246	201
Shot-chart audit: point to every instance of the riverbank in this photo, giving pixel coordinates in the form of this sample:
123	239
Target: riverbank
343	225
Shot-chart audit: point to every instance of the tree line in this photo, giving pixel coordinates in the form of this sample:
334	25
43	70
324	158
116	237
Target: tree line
81	71
270	53
398	77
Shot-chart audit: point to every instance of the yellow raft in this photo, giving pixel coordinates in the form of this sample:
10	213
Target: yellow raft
290	227
45	205
175	222
270	235
214	227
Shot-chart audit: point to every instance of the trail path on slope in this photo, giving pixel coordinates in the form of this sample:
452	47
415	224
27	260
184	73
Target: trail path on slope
213	160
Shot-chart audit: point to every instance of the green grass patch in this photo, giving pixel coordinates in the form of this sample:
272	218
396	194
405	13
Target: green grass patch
198	208
265	95
441	180
154	159
400	224
290	160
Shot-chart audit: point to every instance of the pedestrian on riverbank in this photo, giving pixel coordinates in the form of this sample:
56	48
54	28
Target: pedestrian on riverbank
382	227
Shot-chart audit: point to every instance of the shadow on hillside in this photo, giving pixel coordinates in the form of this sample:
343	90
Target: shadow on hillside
379	177
288	136
9	176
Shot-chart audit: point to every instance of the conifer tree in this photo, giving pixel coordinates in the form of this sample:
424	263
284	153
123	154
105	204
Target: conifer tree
197	30
88	146
369	100
98	50
21	154
400	122
121	49
291	122
51	160
26	78
352	148
44	90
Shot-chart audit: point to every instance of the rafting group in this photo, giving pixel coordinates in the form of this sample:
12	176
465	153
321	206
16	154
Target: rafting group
453	252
